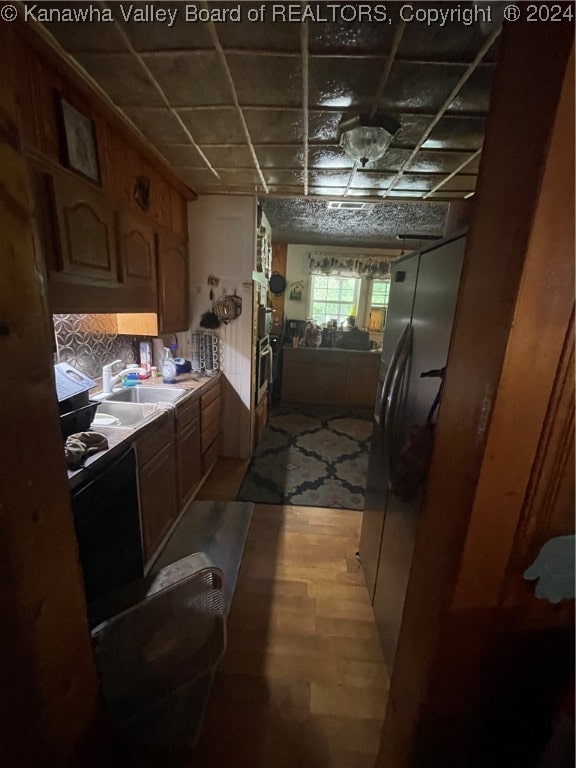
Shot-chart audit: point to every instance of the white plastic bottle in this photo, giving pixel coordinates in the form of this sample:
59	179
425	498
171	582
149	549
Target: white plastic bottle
168	368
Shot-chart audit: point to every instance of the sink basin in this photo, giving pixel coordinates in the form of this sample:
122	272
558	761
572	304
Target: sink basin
141	394
121	414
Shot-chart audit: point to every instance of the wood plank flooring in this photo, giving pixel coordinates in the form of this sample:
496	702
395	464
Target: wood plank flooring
303	682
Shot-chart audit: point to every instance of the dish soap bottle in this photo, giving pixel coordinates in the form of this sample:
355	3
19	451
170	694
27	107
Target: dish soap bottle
168	368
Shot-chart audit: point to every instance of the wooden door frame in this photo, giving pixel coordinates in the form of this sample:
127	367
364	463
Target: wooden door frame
50	702
513	317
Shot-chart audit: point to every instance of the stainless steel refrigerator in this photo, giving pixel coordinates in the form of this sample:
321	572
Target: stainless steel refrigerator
423	293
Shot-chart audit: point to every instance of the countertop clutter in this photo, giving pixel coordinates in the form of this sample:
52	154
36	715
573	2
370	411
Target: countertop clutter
119	436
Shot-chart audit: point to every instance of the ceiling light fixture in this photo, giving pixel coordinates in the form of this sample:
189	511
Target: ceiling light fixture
366	138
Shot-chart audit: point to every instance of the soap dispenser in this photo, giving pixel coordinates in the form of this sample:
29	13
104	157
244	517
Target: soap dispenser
168	368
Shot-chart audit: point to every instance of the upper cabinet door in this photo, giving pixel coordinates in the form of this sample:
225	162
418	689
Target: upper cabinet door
172	284
85	226
137	253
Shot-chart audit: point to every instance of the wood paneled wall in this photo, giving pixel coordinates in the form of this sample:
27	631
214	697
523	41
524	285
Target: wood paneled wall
279	262
38	75
49	707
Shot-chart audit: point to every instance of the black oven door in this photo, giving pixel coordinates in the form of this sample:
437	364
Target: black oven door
107	522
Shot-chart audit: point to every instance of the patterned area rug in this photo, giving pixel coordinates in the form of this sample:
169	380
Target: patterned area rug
314	457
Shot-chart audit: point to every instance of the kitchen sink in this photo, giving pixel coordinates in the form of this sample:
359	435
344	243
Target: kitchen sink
121	414
141	394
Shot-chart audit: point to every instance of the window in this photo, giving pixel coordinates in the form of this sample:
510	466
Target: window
333	298
378	304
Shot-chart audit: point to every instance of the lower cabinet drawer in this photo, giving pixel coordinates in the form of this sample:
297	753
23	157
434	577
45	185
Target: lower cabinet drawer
209	435
210	457
211	413
211	395
161	434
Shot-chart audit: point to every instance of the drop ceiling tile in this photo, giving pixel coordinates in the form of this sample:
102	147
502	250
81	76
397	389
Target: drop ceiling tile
191	79
80	36
182	155
283	178
328	178
327	191
269	31
419	86
158	125
447	194
461	183
371	180
475	95
406	193
332	157
240	176
411	130
280	157
159	36
364	192
290	191
323	126
343	30
214	126
442	162
238	156
457	133
270	80
392	160
274	126
416	181
200	178
123	78
455	42
343	82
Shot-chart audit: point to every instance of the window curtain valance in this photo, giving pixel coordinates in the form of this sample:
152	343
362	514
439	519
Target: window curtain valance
371	267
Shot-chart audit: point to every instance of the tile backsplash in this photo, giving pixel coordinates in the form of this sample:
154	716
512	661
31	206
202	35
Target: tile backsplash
87	342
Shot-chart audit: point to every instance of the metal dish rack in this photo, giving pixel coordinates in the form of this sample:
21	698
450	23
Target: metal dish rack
206	353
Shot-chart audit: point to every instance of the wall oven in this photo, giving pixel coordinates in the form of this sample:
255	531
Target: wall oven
263	367
264	321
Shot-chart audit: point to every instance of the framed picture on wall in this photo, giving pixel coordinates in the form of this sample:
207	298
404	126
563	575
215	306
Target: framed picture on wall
78	141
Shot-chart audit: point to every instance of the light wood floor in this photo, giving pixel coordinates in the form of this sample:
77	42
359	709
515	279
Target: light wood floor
303	681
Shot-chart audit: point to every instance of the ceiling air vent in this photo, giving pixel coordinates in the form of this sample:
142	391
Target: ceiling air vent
348	205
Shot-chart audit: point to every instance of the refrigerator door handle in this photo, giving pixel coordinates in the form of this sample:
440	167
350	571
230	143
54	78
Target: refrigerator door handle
384	386
392	400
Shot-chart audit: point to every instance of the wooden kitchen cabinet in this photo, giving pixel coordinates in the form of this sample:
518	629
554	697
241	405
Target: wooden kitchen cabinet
86	247
157	482
138	257
329	376
172	263
188	450
211	423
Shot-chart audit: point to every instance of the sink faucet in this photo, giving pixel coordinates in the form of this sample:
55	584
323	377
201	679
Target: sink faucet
109	381
107	376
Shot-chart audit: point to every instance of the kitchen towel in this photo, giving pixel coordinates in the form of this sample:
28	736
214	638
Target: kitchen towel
81	445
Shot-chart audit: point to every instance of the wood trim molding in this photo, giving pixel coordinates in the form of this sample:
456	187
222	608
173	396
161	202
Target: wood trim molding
50	707
468	521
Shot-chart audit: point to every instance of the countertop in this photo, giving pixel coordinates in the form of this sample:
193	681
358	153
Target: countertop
120	437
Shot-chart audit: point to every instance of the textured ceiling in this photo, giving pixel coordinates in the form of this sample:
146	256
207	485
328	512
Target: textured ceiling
299	220
253	107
